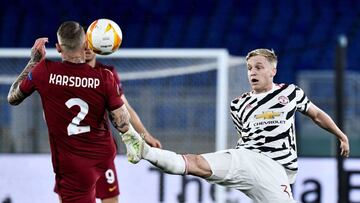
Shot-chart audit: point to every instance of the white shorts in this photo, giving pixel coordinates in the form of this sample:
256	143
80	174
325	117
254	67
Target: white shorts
258	176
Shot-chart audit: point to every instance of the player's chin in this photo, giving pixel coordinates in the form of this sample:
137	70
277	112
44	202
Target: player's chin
89	58
255	86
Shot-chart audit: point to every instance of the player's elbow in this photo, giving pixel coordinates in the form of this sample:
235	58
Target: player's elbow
120	118
12	101
317	121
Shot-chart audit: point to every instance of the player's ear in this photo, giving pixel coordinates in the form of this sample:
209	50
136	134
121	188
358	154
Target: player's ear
274	71
86	45
58	47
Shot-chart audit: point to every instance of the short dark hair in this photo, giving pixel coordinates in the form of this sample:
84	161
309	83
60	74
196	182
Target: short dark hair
71	35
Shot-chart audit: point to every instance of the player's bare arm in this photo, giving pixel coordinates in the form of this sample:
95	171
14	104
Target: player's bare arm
323	120
120	119
15	96
139	127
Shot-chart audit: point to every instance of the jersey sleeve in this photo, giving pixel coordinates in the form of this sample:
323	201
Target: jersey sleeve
28	85
112	91
302	101
233	113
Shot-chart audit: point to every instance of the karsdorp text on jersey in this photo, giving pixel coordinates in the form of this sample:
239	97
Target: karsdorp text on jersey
73	81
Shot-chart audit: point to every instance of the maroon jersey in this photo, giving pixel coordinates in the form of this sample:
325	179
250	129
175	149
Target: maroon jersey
75	98
113	70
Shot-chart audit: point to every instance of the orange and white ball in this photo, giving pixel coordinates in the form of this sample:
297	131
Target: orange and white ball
104	36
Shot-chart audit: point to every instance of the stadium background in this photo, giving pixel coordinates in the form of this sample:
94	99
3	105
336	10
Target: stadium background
302	33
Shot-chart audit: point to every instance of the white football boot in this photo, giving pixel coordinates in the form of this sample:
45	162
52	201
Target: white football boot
134	145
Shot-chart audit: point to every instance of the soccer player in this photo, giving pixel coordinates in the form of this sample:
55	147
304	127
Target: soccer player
107	187
75	99
264	162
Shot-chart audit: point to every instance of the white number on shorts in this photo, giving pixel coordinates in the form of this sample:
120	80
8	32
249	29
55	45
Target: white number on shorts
74	128
110	176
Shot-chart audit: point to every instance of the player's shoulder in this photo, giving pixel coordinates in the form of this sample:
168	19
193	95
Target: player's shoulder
42	65
105	74
283	85
105	69
291	87
294	86
53	62
45	62
104	66
241	97
287	86
245	94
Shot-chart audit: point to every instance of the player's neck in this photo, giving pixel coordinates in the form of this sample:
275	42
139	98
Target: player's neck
73	58
264	90
91	63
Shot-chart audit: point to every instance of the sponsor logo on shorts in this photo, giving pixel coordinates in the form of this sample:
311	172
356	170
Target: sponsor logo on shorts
111	189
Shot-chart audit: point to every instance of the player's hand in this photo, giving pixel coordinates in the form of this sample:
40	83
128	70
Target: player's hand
152	141
38	50
344	146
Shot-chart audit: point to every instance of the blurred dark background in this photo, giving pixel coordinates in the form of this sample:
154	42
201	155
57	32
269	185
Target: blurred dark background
303	33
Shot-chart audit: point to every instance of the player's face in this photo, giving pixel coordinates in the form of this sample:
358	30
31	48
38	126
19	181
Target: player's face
260	73
89	55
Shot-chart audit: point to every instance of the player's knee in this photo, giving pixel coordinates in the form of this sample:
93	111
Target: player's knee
198	166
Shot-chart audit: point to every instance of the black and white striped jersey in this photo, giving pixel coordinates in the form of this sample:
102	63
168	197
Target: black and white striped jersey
265	122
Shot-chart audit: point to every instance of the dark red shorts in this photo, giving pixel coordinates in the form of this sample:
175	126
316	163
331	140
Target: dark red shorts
107	186
85	182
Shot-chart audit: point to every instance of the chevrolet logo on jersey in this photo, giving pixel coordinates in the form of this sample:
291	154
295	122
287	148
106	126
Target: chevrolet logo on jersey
268	115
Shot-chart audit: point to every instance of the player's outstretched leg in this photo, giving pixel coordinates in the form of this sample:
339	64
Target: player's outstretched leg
168	161
137	149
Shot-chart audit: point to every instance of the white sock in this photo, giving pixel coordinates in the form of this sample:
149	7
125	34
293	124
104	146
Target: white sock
168	161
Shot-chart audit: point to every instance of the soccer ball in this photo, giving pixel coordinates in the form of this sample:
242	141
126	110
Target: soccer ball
104	36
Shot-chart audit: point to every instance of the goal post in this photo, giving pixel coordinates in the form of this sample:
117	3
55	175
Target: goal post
181	95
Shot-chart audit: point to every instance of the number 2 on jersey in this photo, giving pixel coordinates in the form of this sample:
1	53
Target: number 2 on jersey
74	128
